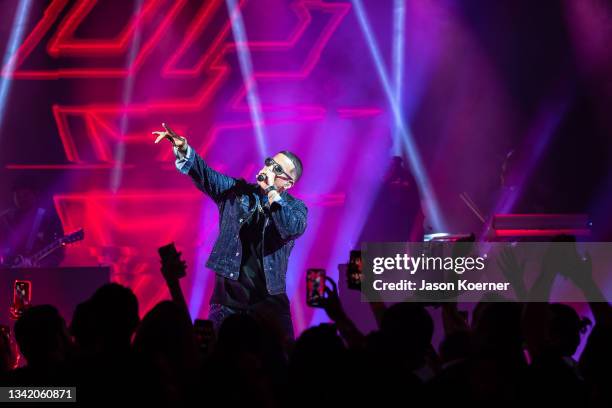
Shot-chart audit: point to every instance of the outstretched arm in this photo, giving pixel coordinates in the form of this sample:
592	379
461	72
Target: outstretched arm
208	180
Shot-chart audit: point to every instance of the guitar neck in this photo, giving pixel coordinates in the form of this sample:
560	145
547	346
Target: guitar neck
46	251
57	244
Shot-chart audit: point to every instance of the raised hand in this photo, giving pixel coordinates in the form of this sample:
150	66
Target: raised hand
172	266
333	307
177	141
331	302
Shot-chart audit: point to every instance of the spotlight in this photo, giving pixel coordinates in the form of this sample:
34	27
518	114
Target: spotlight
414	159
8	64
246	68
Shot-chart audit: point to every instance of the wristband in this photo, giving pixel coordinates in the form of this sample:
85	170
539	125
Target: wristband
270	188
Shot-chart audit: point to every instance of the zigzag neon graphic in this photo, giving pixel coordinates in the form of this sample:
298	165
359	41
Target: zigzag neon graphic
63	44
100	130
93	114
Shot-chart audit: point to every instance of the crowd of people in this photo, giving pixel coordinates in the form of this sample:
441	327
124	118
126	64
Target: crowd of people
505	354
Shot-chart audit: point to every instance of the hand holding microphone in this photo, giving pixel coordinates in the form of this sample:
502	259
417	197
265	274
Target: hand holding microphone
266	178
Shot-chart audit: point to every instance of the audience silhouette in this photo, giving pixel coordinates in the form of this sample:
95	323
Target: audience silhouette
507	354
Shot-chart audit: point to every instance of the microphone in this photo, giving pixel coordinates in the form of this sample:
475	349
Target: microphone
261	177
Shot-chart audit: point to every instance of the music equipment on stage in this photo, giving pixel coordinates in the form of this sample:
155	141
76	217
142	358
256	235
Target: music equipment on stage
447	237
34	260
530	226
467	200
63	288
533	226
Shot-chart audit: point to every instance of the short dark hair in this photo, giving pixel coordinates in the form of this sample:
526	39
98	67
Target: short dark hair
297	163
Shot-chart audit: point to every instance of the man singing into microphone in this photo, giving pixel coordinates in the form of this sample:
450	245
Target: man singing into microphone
258	226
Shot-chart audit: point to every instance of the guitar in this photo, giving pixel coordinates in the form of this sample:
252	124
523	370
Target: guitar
34	260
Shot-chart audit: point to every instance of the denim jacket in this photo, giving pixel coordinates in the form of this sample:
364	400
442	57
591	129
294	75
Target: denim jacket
237	201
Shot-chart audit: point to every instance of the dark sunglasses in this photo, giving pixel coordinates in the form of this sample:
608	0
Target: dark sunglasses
276	168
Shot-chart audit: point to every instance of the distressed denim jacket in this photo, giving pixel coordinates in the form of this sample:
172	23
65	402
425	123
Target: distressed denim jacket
237	201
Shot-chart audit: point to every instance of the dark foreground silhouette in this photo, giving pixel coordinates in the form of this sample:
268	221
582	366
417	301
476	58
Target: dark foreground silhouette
506	354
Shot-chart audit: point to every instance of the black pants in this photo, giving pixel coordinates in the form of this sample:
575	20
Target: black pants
218	313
